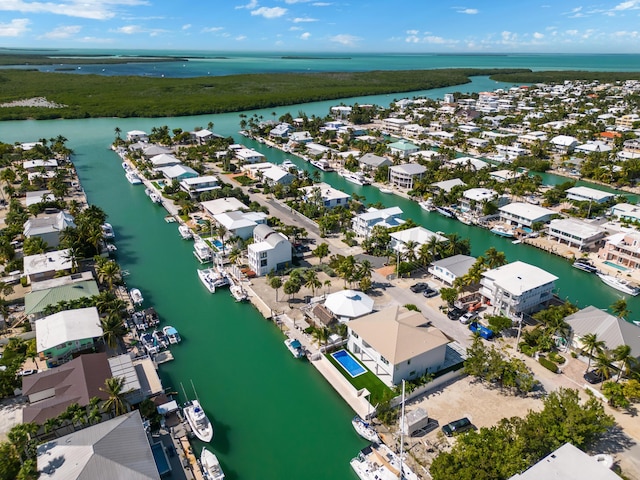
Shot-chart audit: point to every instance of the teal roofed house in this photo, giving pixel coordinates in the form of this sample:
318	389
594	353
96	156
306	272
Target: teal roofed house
36	302
403	148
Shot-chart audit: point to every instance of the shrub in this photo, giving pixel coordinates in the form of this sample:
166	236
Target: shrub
527	349
556	358
574	355
548	364
412	307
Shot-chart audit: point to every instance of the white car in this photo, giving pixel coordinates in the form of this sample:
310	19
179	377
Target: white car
468	317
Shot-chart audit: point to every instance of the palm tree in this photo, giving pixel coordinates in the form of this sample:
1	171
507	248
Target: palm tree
626	361
221	231
591	343
495	258
51	425
312	282
117	132
108	272
619	308
275	283
116	404
410	251
424	254
327	286
603	364
112	330
364	269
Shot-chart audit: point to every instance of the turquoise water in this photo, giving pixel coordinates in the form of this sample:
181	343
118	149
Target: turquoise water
615	265
350	364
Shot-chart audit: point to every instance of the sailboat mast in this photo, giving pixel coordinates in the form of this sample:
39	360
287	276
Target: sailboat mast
194	390
186	399
402	432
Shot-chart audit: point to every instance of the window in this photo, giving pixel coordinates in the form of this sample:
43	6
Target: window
263	263
354	334
384	360
409	362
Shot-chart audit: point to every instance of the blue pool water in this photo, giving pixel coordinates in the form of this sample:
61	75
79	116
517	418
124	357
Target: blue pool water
161	459
619	267
217	244
349	363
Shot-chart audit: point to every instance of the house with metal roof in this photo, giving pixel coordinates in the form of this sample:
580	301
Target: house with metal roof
196	185
325	194
364	223
220	205
587	194
576	233
35	302
270	250
405	175
397	344
419	235
117	448
626	211
403	148
369	161
524	214
49	227
240	224
178	172
448	185
164	160
450	268
349	304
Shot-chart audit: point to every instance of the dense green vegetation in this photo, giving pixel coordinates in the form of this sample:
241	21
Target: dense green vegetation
30	59
559	76
99	96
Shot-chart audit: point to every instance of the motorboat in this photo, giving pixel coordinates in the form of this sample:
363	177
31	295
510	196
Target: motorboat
238	293
151	317
126	166
198	421
385	190
212	279
379	462
202	251
133	177
210	465
155	197
322	165
147	191
160	338
354	177
136	296
446	211
185	232
149	343
363	429
427	205
107	231
172	334
295	347
619	284
502	231
585	265
111	248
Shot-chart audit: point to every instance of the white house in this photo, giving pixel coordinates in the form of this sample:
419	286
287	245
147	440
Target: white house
593	147
196	185
396	344
419	235
394	125
48	228
43	266
586	194
450	268
524	214
281	130
164	160
505	175
403	148
576	233
178	172
626	211
369	161
406	174
35	165
326	194
240	224
473	163
473	199
220	205
388	217
349	304
137	136
447	185
564	143
201	136
517	288
247	155
276	174
270	250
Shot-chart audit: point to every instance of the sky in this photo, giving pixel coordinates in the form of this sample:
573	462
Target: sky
400	26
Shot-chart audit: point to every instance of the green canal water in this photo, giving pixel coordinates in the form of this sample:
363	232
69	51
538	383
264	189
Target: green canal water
275	417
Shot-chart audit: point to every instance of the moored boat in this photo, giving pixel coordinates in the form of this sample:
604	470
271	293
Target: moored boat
322	165
619	284
501	231
212	279
446	211
133	177
155	197
363	429
185	232
427	205
238	293
136	296
201	250
379	462
354	177
210	465
198	421
385	190
161	338
172	334
295	347
126	166
585	265
107	231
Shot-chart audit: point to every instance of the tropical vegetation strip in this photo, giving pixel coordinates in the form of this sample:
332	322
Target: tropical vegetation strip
31	59
130	96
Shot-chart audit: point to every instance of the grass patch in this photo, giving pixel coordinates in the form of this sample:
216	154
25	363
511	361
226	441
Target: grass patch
379	391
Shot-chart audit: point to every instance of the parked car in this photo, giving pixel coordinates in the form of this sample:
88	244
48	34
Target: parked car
419	287
458	426
594	376
430	292
468	317
25	373
455	313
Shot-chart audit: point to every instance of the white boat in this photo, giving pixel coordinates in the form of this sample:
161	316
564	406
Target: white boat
212	279
147	191
126	166
185	232
354	177
107	231
201	250
198	421
619	284
136	296
155	197
172	334
295	347
238	293
160	337
427	205
210	465
133	177
363	429
322	165
379	462
385	190
149	343
502	231
111	248
446	211
585	265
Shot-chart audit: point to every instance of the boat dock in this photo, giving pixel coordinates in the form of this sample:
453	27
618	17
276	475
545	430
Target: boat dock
162	357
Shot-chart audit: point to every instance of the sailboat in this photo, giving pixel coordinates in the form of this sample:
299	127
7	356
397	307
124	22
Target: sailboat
197	418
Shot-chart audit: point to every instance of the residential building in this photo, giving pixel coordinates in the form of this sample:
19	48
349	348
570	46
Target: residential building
426	155
451	268
152	150
525	214
49	227
394	125
448	185
419	235
505	175
346	305
364	223
281	131
201	136
622	249
369	161
469	162
626	211
594	147
325	194
63	334
576	233
628	121
137	136
33	166
164	160
403	148
474	199
586	194
277	175
39	196
396	344
563	143
517	288
270	251
221	205
116	448
300	137
194	186
178	172
140	376
240	224
35	302
477	143
405	175
44	266
632	145
246	155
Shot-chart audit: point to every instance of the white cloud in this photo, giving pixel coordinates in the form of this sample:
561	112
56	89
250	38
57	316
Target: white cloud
345	39
91	9
509	36
295	29
321	4
468	11
239	38
571	32
14	28
186	26
304	20
625	34
538	35
412	32
63	32
250	6
291	2
629	5
305	36
435	39
95	40
129	29
269	12
212	29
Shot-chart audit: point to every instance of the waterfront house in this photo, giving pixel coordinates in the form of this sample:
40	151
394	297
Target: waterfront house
137	136
39	166
517	288
63	334
586	194
426	155
178	172
246	155
48	228
405	175
164	160
281	131
269	252
505	175
419	235
341	112
369	161
474	199
38	196
612	330
622	249
575	233
116	448
52	391
194	186
396	344
221	205
44	266
364	223
394	125
300	137
448	185
35	302
201	136
449	269
469	162
346	305
256	170
525	214
277	175
325	194
240	224
140	376
593	147
402	148
563	143
626	212
150	151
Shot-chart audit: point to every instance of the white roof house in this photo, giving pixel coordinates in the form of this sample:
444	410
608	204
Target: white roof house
480	194
137	136
370	161
626	211
364	223
447	185
38	197
505	175
43	266
276	174
178	172
48	228
201	136
587	194
153	150
30	165
67	326
517	288
164	160
270	250
196	185
564	143
220	205
397	344
593	147
450	268
575	232
474	163
249	156
406	174
239	223
524	214
349	304
420	235
329	196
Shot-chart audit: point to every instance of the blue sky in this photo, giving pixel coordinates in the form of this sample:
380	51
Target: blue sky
411	26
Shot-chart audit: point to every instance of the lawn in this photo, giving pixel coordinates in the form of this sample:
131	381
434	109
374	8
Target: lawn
379	391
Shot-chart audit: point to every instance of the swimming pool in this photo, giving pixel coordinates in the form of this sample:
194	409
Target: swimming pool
162	462
350	364
614	265
217	244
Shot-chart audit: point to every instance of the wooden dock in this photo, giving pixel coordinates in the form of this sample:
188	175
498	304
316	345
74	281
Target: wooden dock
191	458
